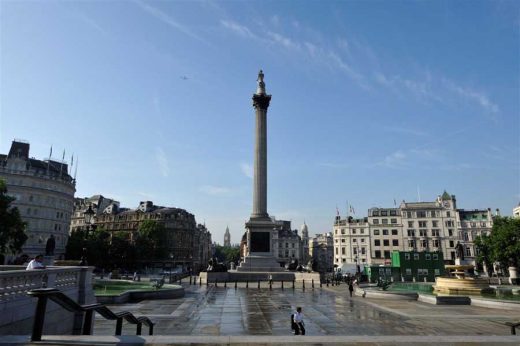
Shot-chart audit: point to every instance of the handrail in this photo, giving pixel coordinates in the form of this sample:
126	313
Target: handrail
43	294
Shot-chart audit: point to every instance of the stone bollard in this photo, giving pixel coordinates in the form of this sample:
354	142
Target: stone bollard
247	283
200	281
312	283
235	285
258	284
225	284
270	284
303	284
207	282
293	284
327	282
282	285
216	283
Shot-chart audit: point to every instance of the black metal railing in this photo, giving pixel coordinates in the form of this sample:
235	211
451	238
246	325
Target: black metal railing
44	294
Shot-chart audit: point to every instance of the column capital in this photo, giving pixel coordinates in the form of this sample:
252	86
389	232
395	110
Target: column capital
261	101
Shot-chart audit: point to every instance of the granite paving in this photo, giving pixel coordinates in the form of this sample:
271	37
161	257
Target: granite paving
219	311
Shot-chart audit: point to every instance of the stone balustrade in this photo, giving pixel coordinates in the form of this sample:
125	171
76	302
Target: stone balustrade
17	308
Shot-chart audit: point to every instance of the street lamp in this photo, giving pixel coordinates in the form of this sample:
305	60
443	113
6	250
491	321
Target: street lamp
89	218
171	266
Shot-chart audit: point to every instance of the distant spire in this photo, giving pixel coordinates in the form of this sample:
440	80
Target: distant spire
260	90
76	169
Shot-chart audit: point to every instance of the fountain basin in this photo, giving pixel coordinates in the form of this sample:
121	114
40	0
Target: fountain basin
466	285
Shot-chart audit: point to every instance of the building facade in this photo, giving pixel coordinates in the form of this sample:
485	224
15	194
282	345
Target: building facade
44	194
414	226
98	203
189	244
321	248
516	211
289	244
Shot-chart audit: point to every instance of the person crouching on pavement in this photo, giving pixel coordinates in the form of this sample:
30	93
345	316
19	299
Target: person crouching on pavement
298	320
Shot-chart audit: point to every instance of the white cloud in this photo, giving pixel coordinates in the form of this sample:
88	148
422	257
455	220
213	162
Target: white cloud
395	159
215	190
247	169
477	97
283	40
162	161
238	29
165	18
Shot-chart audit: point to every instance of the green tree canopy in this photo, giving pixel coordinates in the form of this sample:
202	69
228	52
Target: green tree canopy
227	254
12	228
152	240
502	245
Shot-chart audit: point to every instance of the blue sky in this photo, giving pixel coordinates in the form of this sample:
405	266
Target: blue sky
372	101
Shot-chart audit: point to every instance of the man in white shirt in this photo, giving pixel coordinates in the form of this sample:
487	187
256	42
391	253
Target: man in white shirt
298	320
36	263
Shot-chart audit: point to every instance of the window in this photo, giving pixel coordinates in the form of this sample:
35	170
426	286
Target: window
411	243
363	250
344	260
437	272
407	256
362	240
435	223
377	242
375	213
410	223
448	214
342	250
416	256
393	220
450	232
466	238
342	231
387	254
409	214
435	257
385	221
354	240
408	271
482	224
376	232
375	221
411	233
386	242
427	256
362	231
468	251
384	213
393	213
449	223
451	243
395	242
354	251
421	213
435	243
433	213
385	232
353	231
336	232
337	251
422	224
424	243
377	254
422	232
435	232
342	240
394	232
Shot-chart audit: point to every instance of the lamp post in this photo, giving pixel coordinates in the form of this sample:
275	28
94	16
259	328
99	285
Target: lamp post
89	218
171	266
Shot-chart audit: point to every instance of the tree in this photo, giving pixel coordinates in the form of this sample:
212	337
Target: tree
503	245
12	228
227	254
483	244
152	241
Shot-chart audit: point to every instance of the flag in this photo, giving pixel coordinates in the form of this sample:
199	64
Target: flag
395	203
72	161
337	211
63	157
50	154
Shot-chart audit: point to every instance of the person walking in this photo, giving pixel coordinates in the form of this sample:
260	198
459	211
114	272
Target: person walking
350	288
298	320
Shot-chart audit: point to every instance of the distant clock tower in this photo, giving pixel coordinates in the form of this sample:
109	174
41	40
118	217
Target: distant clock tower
227	238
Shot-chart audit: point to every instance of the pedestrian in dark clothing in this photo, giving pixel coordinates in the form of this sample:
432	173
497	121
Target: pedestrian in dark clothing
350	288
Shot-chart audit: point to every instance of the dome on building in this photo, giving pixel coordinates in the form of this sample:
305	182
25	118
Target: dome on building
304	228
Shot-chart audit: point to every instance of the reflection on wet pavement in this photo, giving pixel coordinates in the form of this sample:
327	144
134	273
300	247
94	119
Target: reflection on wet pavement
226	311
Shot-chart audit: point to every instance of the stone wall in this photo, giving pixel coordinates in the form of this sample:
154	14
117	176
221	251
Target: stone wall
17	308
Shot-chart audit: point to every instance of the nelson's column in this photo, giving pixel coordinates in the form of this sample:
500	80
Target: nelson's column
260	248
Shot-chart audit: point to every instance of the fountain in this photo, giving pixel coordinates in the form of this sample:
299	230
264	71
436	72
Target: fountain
462	282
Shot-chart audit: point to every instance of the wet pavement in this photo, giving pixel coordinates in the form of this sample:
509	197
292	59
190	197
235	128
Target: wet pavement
328	311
